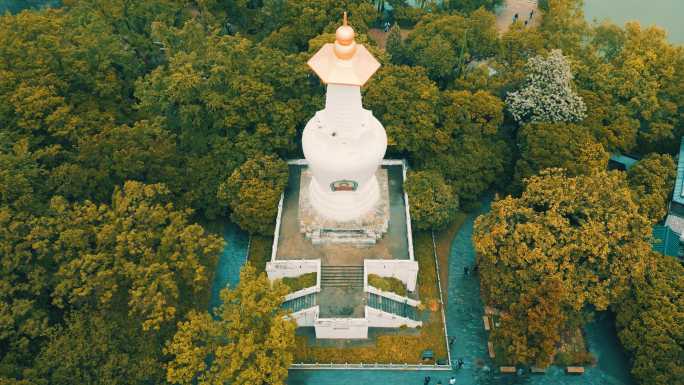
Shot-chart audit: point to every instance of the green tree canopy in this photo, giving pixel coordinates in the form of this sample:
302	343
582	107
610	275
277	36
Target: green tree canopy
476	150
433	202
395	46
144	152
585	232
137	259
633	71
442	43
405	101
21	176
650	326
248	342
533	324
561	145
518	45
225	100
652	179
58	81
252	192
471	5
96	348
289	25
140	250
563	25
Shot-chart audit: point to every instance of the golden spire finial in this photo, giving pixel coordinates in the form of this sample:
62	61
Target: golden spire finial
344	40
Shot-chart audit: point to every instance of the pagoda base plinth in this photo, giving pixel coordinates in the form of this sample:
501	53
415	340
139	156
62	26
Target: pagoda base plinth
366	229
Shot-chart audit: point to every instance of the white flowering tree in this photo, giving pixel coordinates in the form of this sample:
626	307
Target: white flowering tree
547	95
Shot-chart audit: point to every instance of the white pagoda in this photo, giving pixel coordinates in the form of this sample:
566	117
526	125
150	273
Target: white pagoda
344	214
346	198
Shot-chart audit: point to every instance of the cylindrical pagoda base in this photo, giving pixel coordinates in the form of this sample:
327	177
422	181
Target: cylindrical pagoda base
344	205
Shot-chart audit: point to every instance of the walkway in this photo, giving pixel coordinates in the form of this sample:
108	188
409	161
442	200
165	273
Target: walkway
233	256
504	15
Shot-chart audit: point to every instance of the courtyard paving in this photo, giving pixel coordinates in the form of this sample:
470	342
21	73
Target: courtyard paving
293	245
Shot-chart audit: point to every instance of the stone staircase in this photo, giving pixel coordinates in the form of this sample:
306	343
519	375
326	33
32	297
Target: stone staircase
391	306
341	276
300	303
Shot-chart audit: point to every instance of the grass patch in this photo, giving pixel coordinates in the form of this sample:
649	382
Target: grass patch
390	284
260	251
405	347
573	350
443	241
300	282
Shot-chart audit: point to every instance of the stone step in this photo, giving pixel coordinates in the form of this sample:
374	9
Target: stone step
341	276
342	284
351	271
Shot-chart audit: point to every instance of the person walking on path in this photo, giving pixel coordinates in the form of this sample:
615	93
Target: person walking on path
451	341
531	14
460	363
465	271
452	380
426	381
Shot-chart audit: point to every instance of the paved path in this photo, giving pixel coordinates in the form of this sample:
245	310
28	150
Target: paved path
504	16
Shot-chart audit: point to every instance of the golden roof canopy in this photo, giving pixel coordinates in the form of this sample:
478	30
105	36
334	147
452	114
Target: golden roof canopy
344	61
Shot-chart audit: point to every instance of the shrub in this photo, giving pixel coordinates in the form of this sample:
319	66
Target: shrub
300	282
563	359
583	358
260	248
433	202
252	192
390	284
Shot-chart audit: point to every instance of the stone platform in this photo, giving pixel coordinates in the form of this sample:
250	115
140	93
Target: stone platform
290	243
362	231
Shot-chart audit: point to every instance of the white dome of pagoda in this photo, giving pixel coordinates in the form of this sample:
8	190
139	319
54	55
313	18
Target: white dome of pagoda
344	143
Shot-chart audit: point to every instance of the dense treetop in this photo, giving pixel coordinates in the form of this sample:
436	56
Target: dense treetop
564	244
124	124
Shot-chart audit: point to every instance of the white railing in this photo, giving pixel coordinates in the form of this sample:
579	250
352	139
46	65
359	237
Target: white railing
441	300
302	293
407	205
392	296
381	319
274	248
